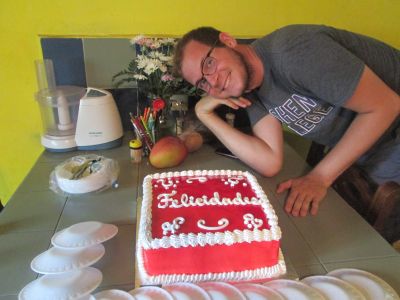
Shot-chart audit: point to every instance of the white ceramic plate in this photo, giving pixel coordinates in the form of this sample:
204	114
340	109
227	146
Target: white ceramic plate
187	291
370	285
150	293
87	297
333	288
222	291
69	285
113	295
84	234
294	290
60	260
254	291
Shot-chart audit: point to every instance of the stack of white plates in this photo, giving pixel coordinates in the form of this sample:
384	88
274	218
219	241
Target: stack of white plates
369	285
292	289
66	266
340	284
113	295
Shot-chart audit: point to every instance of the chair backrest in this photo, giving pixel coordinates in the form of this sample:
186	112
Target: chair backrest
378	204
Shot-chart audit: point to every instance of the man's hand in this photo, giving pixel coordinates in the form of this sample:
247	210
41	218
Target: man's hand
305	192
208	104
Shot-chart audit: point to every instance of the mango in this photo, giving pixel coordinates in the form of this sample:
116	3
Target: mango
169	151
192	140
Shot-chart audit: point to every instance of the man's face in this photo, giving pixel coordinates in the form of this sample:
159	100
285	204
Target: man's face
230	78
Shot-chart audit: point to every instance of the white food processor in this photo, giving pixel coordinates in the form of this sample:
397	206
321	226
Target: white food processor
59	111
74	117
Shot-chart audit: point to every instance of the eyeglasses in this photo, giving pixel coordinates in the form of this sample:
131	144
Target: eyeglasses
208	67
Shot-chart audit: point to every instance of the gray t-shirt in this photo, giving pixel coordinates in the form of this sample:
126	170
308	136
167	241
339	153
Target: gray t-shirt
310	71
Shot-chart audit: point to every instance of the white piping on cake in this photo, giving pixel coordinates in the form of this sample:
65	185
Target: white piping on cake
222	223
174	226
201	239
250	221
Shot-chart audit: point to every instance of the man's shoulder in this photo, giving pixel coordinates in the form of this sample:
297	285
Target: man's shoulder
290	36
297	31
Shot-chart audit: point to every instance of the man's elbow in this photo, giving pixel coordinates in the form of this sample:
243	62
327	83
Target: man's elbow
270	171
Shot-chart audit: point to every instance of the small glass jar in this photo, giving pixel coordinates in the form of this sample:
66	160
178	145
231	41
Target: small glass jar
136	150
179	126
230	119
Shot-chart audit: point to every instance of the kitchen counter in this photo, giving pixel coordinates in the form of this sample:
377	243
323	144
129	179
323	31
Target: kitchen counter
336	238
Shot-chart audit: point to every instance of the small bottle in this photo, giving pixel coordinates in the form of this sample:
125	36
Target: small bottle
179	125
230	119
136	150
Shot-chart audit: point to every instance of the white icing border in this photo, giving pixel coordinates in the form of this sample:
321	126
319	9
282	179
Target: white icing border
201	239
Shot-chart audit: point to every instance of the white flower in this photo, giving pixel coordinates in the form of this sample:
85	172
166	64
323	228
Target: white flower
168	41
155	54
155	44
142	61
151	67
139	77
163	68
165	58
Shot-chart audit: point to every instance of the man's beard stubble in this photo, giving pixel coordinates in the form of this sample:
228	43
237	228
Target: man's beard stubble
248	72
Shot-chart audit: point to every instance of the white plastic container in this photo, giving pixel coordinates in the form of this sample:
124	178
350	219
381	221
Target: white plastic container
59	109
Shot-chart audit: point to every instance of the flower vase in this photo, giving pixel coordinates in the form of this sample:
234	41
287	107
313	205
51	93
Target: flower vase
166	123
171	120
179	108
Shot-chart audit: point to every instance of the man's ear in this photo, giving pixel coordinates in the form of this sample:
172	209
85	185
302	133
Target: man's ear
227	40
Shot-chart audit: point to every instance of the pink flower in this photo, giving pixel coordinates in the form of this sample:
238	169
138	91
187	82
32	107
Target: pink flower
167	77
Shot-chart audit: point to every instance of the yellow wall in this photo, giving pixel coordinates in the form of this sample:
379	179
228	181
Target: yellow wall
23	21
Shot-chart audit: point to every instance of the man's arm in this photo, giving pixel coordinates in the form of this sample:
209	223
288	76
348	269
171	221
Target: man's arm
263	152
377	106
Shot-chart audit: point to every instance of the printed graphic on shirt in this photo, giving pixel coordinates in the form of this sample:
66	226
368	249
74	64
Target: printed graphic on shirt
300	113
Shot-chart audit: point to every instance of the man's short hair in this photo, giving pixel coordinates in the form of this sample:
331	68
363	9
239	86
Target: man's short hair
205	35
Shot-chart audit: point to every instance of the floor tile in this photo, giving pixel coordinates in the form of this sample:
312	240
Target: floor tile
128	174
293	246
17	251
291	272
310	270
9	297
38	178
103	207
121	270
57	157
344	227
31	212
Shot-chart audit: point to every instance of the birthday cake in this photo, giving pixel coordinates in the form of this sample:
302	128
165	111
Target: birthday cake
207	226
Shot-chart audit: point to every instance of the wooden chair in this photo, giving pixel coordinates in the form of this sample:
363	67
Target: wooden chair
377	204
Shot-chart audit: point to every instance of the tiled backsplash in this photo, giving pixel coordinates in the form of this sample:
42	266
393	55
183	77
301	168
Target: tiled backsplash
89	61
94	61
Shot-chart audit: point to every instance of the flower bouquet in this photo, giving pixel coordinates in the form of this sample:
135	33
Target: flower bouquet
152	69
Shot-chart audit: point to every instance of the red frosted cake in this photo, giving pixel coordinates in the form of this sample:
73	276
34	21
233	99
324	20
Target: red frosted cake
207	226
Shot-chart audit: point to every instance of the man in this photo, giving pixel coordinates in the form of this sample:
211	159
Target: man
332	86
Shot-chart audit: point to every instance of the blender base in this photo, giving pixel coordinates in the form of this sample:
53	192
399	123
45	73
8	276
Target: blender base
59	143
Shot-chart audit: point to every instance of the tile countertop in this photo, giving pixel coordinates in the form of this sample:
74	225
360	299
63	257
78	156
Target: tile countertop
336	238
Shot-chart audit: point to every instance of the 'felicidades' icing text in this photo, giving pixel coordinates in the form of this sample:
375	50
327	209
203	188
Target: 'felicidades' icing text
166	200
